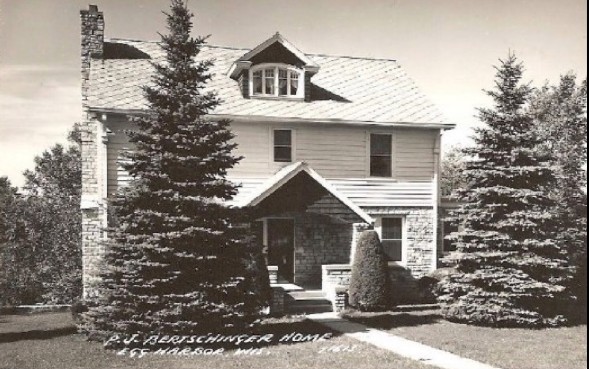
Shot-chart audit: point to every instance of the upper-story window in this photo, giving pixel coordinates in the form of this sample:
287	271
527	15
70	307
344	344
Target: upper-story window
276	80
381	161
282	145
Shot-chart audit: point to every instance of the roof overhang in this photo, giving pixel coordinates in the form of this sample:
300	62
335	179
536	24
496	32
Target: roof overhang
287	173
288	120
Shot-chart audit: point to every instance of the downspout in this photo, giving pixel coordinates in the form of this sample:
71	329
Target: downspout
436	199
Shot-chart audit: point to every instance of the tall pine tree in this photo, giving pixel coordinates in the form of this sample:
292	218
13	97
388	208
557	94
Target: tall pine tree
512	271
177	262
561	115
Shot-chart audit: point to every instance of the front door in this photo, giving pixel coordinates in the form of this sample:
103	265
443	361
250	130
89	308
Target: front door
281	247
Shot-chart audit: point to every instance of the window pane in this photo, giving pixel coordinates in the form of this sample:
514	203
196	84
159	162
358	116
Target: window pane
269	79
393	250
392	228
282	153
380	166
380	144
269	86
257	82
282	137
294	82
282	82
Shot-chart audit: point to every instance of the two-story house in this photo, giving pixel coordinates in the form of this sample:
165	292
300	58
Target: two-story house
332	145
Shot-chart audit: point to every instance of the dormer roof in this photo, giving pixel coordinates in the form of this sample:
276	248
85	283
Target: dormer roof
268	51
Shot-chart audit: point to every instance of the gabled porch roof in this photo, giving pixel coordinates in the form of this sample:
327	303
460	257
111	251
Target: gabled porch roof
286	174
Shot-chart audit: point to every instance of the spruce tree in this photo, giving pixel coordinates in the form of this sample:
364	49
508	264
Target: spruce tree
561	115
177	261
511	270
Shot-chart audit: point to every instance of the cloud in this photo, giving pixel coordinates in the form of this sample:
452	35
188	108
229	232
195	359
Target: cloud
38	105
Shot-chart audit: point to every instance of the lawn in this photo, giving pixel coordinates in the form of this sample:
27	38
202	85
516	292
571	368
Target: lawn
554	348
40	341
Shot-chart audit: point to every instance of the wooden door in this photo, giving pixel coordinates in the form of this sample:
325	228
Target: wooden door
281	247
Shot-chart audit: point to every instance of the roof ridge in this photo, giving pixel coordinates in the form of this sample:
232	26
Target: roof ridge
246	49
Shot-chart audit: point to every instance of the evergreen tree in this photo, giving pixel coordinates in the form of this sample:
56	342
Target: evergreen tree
512	271
561	122
177	261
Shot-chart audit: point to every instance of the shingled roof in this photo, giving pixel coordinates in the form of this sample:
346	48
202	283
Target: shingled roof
346	89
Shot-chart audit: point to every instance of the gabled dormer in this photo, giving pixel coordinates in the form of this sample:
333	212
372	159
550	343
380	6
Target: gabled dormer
275	69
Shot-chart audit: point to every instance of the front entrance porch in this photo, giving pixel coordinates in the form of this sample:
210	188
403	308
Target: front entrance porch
303	224
297	245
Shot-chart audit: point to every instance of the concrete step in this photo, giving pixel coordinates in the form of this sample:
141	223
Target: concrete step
306	295
307	302
309	309
315	301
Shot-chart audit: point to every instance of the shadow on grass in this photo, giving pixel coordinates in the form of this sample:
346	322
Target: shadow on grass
36	334
395	320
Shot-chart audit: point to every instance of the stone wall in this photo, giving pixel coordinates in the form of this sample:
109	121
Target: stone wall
421	253
421	250
273	274
319	239
404	287
334	276
92	204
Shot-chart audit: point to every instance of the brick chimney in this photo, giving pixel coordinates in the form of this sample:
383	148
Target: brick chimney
92	42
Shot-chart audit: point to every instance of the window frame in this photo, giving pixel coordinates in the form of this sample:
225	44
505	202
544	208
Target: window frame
292	144
369	153
277	67
379	228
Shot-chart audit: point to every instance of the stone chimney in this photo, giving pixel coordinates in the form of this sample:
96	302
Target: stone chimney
92	42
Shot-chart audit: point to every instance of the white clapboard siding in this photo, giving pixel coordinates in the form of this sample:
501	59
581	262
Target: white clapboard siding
382	192
363	192
413	157
333	151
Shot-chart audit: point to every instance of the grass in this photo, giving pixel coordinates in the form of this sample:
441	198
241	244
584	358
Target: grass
552	348
40	341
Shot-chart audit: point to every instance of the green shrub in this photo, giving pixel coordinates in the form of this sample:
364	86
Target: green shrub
369	284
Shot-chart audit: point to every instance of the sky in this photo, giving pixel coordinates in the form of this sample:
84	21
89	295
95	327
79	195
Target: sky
449	47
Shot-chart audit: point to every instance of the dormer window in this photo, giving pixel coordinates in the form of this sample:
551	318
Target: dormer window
276	80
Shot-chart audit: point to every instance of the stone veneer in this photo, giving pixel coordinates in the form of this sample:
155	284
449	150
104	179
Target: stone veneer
420	258
421	248
334	276
319	239
92	206
323	234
